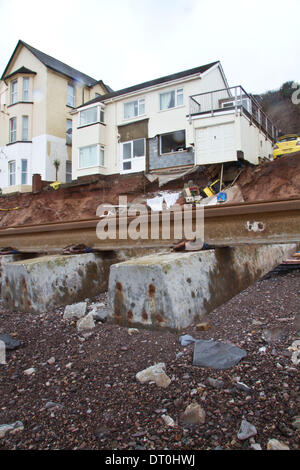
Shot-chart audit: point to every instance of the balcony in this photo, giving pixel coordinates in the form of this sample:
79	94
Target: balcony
232	100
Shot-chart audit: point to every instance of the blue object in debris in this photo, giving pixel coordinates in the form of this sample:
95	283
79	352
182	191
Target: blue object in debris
221	197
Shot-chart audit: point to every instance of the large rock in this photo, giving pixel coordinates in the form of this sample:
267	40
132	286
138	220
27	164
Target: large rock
75	311
193	414
86	323
217	355
155	374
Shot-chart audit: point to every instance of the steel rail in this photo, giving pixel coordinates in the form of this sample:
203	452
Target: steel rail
276	221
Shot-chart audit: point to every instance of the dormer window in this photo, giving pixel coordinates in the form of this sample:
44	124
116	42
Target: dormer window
14	92
71	95
25	89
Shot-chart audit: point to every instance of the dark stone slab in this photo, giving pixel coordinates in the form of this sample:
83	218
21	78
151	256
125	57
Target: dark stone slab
10	343
216	354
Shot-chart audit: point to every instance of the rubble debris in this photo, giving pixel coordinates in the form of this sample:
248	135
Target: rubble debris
246	431
29	371
204	326
296	352
77	249
274	444
168	420
185	340
11	428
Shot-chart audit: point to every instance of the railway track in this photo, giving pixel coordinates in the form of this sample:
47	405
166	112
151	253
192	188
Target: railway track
263	222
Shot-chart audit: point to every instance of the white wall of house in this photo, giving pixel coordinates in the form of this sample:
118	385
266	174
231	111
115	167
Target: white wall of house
160	122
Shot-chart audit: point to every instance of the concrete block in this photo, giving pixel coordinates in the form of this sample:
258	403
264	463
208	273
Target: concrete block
174	290
5	259
48	282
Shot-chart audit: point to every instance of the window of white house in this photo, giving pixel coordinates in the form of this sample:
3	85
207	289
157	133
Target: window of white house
68	171
71	95
14	92
134	108
90	156
25	89
69	132
13	129
130	150
172	142
91	116
171	99
12	173
24	167
25	121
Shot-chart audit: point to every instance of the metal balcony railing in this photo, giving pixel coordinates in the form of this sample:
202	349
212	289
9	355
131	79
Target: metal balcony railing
234	99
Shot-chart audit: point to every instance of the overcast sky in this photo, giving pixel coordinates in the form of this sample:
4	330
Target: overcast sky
125	42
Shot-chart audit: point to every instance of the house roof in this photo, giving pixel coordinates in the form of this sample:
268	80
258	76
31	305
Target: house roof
22	70
157	81
57	66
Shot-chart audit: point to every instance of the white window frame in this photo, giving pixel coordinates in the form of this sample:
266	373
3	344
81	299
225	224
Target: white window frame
132	157
25	96
14	92
25	129
24	172
141	108
100	156
99	118
13	130
175	151
178	92
71	96
12	174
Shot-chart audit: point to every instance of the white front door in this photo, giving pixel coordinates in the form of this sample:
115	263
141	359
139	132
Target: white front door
133	156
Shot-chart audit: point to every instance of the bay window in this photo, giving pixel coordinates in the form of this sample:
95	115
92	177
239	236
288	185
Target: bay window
134	108
25	127
25	89
91	116
13	130
24	167
171	99
14	92
12	173
92	155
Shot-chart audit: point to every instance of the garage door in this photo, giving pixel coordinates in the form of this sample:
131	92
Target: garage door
215	144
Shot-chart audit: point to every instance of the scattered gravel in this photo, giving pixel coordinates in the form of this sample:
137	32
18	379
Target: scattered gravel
83	392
